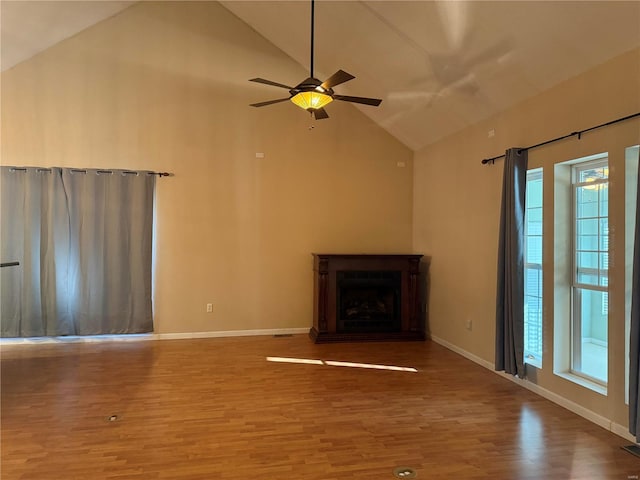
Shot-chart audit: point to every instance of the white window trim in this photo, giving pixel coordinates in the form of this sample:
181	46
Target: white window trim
563	271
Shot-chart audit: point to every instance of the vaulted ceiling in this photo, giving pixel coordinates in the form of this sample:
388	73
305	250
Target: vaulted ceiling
439	66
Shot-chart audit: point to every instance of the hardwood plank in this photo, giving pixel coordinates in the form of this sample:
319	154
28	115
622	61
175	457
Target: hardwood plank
217	409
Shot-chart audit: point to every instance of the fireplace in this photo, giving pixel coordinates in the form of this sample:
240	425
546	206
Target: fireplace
368	301
366	297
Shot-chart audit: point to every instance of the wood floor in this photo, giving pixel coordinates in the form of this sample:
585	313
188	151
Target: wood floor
217	409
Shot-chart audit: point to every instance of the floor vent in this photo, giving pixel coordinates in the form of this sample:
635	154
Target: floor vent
632	449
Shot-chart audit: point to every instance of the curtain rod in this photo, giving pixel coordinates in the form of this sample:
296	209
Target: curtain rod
572	134
98	171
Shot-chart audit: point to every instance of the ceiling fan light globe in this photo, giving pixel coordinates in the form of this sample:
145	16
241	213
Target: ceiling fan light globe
311	100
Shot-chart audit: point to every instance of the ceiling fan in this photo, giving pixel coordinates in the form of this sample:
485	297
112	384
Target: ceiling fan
311	94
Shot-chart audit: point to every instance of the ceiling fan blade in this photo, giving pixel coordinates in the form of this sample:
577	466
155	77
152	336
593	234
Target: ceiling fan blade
363	100
269	82
320	113
268	102
336	79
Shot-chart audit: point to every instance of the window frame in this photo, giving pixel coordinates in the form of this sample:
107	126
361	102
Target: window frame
577	287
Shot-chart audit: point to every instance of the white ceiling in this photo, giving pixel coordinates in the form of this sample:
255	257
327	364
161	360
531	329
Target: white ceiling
438	65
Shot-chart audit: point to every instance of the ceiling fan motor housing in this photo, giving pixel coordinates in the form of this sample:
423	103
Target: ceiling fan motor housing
309	85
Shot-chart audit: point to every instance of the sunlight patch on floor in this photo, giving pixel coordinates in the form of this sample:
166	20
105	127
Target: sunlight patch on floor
295	360
333	363
369	365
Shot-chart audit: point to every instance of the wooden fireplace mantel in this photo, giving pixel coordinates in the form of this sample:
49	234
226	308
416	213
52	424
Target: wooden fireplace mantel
326	322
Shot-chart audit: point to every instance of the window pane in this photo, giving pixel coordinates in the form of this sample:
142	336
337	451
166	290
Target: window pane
533	325
592	174
587	278
587	260
604	200
587	227
604	261
590	355
534	221
604	234
588	242
534	250
533	282
587	201
534	193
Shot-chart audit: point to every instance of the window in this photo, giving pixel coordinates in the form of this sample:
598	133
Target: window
590	272
533	269
89	251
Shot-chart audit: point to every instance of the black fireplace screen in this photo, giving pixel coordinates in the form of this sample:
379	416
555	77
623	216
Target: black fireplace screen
368	301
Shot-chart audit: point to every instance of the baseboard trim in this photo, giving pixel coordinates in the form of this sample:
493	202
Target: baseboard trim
136	337
464	353
232	333
622	431
593	417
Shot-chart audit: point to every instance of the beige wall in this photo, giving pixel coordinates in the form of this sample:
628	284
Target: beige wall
457	206
163	86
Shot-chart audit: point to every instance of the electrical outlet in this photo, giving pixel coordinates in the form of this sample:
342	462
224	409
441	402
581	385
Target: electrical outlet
209	307
469	324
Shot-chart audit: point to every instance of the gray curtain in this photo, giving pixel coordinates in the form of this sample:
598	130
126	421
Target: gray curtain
634	340
84	242
510	288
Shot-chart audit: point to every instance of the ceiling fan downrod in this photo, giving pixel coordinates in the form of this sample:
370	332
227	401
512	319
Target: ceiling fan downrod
312	35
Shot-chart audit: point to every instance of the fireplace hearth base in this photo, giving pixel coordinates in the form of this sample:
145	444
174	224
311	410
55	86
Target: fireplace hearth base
328	337
344	309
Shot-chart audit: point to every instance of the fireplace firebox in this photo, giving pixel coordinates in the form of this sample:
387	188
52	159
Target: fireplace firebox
368	301
366	298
